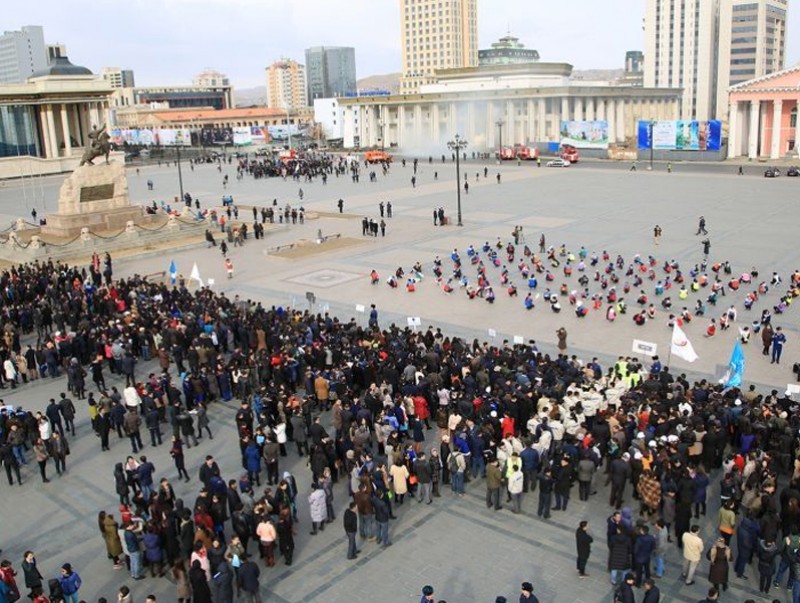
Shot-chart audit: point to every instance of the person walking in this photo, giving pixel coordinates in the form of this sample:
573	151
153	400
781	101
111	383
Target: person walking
40	452
229	267
583	544
701	226
351	530
176	452
657	234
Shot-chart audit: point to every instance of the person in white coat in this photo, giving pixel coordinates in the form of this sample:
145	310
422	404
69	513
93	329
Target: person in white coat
515	483
317	508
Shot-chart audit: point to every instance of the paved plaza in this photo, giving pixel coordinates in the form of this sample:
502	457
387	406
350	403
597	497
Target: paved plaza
467	552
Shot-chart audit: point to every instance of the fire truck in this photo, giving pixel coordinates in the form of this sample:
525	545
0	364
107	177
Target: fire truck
377	157
527	153
568	153
507	153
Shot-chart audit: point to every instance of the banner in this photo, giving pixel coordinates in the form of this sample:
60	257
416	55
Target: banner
646	348
259	133
167	137
585	134
242	136
680	135
680	345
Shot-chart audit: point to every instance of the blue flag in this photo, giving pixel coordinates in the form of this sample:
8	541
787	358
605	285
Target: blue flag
173	272
733	377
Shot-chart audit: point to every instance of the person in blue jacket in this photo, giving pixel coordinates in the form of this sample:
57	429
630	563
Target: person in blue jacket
70	583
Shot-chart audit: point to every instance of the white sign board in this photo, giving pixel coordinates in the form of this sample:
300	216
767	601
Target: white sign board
647	348
360	308
518	339
211	282
414	321
793	388
492	333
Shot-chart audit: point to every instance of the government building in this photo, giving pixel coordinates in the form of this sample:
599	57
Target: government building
524	103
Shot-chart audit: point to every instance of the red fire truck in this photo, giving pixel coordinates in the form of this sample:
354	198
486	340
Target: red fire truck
568	153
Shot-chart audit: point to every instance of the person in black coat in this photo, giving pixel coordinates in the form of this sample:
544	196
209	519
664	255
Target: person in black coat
222	583
201	593
624	593
651	592
248	579
351	529
583	542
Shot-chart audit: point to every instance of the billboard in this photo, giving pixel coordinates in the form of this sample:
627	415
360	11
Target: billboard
681	135
147	137
242	136
585	134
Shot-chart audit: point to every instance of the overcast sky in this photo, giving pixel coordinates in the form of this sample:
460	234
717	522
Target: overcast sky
169	41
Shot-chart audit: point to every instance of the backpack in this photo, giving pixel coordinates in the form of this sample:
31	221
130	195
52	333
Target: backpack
452	463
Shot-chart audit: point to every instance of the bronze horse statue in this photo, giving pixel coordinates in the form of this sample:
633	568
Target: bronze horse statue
99	146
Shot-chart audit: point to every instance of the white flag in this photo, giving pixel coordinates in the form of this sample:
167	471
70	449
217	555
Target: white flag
681	346
195	275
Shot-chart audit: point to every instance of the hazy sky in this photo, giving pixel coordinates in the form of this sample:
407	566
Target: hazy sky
169	41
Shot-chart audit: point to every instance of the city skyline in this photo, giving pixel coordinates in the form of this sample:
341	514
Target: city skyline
588	34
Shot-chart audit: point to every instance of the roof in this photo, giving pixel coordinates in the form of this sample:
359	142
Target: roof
61	66
773	78
221	114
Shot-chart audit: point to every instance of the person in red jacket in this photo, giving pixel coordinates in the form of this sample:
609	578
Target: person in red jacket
507	426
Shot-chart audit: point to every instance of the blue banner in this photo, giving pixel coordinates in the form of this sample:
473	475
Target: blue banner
680	135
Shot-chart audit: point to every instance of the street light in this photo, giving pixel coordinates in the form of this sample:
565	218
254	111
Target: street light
500	123
457	145
180	174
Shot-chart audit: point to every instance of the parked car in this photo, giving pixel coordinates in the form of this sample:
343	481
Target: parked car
558	163
772	172
793	171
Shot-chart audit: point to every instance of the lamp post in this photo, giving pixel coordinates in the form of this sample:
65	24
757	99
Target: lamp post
650	125
457	145
180	174
500	123
289	129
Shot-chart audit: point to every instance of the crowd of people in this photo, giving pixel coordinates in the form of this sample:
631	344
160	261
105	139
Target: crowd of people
598	284
385	414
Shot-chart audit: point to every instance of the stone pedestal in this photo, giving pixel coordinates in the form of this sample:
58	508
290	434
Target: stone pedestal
93	197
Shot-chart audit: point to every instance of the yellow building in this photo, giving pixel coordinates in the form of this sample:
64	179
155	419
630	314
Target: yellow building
436	34
286	85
